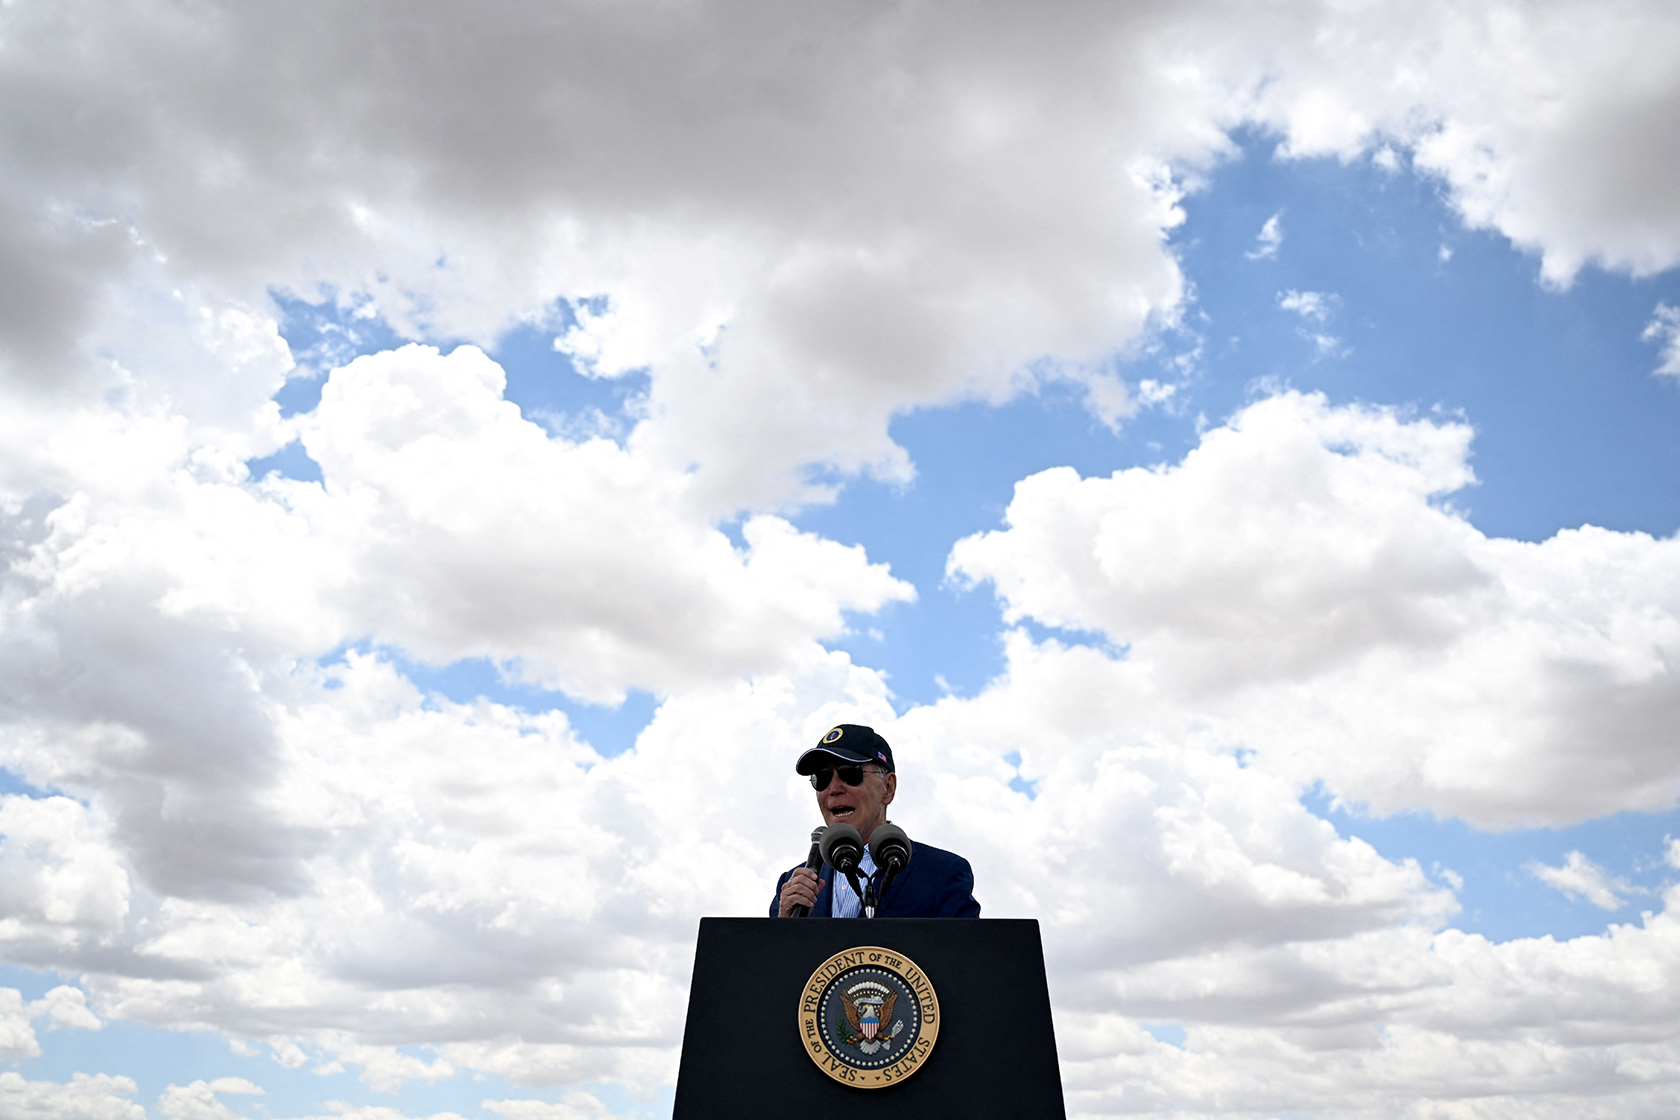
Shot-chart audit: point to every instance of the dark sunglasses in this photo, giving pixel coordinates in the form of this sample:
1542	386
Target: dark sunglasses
851	773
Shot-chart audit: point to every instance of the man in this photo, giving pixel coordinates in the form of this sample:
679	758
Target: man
852	770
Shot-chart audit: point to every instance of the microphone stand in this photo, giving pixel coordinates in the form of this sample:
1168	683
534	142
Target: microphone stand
883	876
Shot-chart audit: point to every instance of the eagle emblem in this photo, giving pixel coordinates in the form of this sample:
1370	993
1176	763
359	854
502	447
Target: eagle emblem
868	1008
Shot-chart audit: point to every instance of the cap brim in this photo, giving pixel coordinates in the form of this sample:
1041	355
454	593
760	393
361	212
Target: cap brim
811	761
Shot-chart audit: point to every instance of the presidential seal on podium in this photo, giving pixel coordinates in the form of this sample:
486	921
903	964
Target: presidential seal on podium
868	1017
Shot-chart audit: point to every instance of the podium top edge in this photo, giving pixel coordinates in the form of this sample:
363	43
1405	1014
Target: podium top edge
884	921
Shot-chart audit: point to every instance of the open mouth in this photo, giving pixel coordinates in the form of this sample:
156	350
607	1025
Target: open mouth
842	810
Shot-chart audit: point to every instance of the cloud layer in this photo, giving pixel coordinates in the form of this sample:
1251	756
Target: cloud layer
799	222
480	882
745	185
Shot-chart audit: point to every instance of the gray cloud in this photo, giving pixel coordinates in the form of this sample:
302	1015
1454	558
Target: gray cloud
887	208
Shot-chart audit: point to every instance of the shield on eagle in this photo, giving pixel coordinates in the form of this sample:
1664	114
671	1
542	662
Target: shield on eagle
869	1016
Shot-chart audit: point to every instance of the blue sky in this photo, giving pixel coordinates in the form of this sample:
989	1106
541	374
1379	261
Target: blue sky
446	486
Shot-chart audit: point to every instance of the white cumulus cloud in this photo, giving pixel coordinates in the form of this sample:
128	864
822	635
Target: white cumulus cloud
470	532
65	1006
1266	242
199	1100
83	1097
1316	307
1299	581
1664	329
1579	877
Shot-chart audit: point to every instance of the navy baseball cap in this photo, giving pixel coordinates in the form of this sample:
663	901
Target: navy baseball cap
849	742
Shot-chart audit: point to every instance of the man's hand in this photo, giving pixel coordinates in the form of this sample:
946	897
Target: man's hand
800	890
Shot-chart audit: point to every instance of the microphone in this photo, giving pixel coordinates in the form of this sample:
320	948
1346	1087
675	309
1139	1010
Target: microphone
890	848
842	849
812	861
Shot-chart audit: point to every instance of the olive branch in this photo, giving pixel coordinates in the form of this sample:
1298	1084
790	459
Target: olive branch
846	1034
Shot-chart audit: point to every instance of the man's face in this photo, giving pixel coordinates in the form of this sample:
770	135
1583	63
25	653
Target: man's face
863	807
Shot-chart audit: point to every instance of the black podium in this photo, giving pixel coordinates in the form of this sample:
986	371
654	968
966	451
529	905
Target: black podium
954	1016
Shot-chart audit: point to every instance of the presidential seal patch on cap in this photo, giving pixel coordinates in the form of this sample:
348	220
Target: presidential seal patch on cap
868	1017
834	735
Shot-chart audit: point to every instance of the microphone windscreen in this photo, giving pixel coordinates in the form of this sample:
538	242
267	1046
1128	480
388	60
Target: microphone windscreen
842	846
888	843
817	834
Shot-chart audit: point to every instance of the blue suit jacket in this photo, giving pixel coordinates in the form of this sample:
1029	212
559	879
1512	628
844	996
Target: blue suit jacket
937	884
